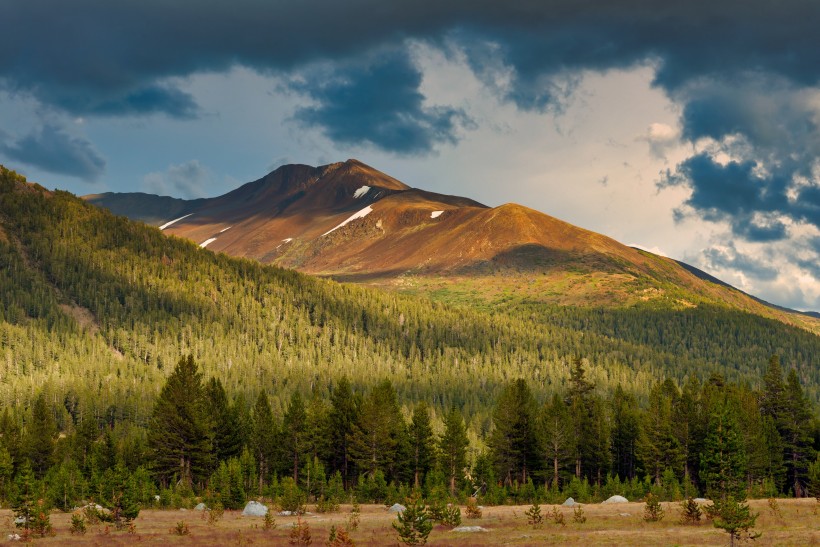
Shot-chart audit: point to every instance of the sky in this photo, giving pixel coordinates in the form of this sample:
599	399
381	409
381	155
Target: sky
689	129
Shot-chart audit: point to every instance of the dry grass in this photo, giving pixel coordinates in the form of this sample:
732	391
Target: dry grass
606	525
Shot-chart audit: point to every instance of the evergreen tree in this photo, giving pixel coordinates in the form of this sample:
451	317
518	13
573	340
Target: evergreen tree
41	435
319	431
294	428
421	442
379	431
179	432
723	460
773	398
263	437
343	418
658	445
25	495
11	437
555	438
512	439
625	433
797	434
452	448
227	440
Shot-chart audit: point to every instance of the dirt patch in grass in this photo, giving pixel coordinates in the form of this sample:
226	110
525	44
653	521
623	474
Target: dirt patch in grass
615	525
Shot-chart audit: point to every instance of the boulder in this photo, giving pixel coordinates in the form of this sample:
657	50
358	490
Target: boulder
570	503
616	499
397	508
201	507
700	500
470	529
254	509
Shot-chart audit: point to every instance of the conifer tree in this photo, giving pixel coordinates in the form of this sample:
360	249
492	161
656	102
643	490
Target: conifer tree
344	415
379	432
179	432
555	438
294	428
421	442
319	431
227	441
723	460
625	433
263	437
41	435
658	445
512	439
452	448
797	434
11	437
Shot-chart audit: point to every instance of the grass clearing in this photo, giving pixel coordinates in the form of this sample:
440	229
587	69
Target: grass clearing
616	525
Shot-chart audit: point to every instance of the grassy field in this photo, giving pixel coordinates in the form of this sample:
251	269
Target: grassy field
799	524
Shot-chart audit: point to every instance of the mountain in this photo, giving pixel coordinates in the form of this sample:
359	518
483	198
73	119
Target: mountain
352	222
95	309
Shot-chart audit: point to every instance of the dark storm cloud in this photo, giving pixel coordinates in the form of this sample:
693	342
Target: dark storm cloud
725	62
53	149
377	103
95	55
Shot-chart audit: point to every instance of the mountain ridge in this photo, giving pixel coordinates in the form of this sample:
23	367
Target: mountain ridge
351	222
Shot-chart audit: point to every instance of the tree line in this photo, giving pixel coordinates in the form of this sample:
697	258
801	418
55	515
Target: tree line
702	438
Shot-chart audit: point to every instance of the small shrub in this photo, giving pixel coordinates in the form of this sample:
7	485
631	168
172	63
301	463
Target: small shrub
327	505
578	515
181	529
691	512
40	524
292	498
269	523
558	517
300	533
215	514
473	511
355	516
774	507
653	512
534	516
78	525
451	516
339	538
414	523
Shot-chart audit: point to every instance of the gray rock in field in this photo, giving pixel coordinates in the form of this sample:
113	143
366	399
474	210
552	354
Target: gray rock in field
625	514
14	537
570	503
397	508
286	513
701	500
470	529
254	509
20	520
616	499
201	507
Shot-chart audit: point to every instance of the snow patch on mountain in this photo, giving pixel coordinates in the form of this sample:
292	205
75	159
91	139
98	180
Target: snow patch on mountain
174	221
361	191
361	214
207	242
436	214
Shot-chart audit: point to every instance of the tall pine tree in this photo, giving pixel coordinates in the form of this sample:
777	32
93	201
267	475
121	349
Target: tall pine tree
179	432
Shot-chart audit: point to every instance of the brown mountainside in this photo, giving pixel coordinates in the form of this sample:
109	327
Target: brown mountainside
352	222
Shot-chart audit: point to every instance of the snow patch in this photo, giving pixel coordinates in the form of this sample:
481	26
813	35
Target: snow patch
207	242
173	221
436	214
361	214
288	239
361	191
225	229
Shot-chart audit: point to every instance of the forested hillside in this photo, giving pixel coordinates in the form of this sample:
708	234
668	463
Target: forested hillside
142	364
